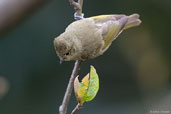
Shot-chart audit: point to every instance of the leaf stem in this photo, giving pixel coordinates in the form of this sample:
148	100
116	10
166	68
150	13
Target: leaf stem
79	105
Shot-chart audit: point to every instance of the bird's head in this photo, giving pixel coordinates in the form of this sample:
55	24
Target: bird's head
65	48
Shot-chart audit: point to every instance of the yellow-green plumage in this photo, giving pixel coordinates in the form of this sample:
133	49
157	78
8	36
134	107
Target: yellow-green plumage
91	37
113	31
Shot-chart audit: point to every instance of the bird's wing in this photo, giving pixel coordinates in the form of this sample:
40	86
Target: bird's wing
110	26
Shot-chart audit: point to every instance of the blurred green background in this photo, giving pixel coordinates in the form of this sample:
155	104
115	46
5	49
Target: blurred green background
135	75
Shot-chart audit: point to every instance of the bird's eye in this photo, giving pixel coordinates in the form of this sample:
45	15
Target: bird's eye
67	53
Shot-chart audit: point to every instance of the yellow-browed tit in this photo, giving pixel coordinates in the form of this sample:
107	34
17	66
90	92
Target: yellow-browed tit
90	37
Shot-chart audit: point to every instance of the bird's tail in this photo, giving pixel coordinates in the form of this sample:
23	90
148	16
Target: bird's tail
133	20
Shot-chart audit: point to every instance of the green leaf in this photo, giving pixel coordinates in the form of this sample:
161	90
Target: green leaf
93	85
88	88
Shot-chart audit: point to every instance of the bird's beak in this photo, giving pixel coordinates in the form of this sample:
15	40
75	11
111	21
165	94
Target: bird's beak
61	60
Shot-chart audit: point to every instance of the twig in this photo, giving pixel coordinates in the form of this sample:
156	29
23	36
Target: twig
76	108
77	6
63	107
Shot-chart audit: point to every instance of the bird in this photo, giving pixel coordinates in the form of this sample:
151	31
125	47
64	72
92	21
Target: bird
90	37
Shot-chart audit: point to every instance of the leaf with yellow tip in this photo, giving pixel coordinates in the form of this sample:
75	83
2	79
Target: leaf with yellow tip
85	80
88	88
81	88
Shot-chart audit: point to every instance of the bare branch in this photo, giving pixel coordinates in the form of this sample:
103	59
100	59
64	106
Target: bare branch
77	6
63	107
76	108
81	5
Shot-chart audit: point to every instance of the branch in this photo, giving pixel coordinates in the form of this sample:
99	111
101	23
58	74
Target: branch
76	108
63	107
78	8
